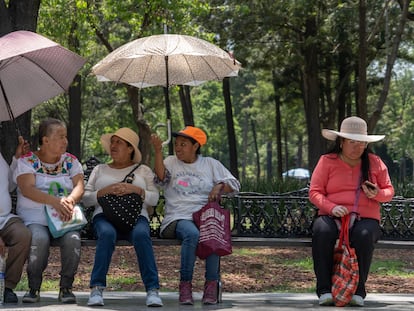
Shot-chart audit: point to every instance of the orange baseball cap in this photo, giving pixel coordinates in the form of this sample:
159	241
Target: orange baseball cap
193	132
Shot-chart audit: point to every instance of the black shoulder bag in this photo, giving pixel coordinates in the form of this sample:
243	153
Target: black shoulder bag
122	210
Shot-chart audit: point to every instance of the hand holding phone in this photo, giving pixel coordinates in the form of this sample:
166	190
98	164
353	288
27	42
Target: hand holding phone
370	185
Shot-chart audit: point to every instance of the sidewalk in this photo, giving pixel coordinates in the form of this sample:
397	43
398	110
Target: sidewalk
231	301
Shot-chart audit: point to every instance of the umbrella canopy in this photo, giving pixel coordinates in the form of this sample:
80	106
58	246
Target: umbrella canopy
298	173
165	60
33	69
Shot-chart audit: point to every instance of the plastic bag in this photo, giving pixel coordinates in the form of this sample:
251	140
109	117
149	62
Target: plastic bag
57	227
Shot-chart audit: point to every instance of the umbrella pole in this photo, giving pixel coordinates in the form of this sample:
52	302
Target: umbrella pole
167	105
9	110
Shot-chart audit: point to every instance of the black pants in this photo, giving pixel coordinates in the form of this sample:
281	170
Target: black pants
363	236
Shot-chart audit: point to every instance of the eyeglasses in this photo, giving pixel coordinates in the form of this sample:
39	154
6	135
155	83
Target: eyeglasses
356	142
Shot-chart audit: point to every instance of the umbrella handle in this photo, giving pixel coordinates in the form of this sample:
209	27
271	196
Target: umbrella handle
164	143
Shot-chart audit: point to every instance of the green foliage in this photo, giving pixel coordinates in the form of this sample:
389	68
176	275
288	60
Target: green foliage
272	186
269	38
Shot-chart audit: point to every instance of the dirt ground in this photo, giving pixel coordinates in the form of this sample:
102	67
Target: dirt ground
246	270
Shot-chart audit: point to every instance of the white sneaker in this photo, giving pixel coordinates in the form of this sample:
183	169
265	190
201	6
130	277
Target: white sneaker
96	299
326	300
153	298
357	301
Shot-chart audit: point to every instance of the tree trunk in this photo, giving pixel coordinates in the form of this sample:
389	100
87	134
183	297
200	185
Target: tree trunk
256	150
186	105
269	159
245	132
362	62
311	93
144	130
372	122
75	113
19	15
230	128
278	127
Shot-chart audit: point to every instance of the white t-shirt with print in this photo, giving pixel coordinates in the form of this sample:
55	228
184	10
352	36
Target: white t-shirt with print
190	185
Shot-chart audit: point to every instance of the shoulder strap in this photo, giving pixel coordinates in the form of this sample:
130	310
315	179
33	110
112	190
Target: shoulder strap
135	167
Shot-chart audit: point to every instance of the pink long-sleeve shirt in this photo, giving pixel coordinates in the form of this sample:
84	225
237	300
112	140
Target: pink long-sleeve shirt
335	182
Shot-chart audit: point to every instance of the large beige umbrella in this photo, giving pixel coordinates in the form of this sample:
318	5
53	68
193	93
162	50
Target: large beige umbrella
33	69
166	60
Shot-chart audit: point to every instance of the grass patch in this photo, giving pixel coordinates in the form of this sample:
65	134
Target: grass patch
391	268
116	283
246	252
303	263
47	285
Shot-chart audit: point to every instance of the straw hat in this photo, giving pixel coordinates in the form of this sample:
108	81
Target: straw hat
193	132
126	134
352	128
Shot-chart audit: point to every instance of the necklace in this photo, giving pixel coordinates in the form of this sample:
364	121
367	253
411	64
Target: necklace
52	169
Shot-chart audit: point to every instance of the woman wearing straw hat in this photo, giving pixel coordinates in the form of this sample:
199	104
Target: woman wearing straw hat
189	181
122	146
339	174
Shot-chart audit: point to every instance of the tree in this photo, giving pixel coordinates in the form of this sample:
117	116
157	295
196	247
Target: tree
17	15
322	40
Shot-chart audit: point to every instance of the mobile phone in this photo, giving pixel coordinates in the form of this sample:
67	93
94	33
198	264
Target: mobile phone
369	185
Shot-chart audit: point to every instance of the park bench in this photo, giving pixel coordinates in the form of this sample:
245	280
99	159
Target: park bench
276	220
280	220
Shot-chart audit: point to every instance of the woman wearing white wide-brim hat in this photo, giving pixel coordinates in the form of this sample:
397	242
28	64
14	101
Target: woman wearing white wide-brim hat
347	179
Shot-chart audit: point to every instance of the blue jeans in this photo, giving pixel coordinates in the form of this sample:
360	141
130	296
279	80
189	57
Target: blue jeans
188	233
139	237
70	248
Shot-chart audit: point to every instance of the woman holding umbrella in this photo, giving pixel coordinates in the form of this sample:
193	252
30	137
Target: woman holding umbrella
189	181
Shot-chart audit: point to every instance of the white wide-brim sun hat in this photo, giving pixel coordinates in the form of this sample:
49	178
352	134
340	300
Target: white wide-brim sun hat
353	128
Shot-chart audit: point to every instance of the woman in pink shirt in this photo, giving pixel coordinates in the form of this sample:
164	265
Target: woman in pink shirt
347	179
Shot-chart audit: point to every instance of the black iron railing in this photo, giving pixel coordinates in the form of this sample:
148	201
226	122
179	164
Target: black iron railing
286	215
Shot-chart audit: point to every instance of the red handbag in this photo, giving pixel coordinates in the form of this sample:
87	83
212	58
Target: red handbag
213	222
346	271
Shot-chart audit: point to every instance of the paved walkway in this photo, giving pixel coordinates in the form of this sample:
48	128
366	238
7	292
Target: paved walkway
231	301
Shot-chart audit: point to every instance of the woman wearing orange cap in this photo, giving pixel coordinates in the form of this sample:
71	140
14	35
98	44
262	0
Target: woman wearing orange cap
189	181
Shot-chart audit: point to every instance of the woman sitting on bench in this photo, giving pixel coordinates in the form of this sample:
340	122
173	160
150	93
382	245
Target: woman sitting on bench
189	181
